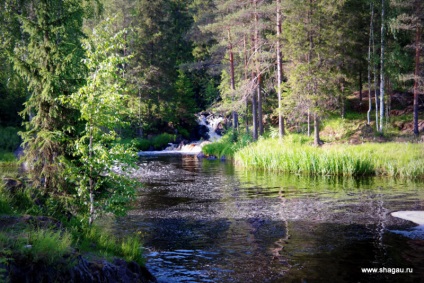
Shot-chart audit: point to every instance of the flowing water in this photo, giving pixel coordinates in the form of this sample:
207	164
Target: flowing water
207	221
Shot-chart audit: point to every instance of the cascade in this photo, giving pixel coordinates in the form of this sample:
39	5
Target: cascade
213	124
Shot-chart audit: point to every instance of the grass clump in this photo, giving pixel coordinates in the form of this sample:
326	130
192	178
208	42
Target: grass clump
348	160
47	245
230	143
35	245
93	239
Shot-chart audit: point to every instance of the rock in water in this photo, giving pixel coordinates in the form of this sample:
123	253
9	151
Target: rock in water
414	216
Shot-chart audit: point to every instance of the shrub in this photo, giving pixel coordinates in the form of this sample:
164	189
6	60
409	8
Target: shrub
5	201
162	140
141	144
9	138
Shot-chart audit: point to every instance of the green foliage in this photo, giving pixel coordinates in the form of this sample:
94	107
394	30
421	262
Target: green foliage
7	158
157	142
141	144
102	108
47	58
47	246
162	140
9	139
5	201
350	160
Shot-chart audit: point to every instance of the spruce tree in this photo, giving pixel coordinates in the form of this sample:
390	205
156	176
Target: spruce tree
49	61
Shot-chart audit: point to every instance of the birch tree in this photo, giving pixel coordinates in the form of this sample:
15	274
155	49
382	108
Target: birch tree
101	104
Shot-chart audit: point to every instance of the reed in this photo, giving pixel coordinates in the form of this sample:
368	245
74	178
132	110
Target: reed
387	159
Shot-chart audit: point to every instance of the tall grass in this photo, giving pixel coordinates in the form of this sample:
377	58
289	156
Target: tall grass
100	241
227	145
388	159
47	245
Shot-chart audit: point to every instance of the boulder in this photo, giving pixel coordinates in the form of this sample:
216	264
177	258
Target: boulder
78	270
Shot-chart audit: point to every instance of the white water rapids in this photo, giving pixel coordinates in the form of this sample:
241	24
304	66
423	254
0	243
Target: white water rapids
212	122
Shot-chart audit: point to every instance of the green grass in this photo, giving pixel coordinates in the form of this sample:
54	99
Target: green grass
101	242
36	245
47	246
227	145
386	159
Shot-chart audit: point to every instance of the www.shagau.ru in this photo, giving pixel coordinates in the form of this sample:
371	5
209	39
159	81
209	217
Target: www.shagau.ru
394	270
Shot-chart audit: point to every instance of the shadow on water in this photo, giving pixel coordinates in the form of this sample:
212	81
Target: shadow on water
206	221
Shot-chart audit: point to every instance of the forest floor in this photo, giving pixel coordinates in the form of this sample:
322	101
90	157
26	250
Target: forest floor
354	129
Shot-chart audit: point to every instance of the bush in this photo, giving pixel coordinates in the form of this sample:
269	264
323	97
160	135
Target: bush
141	144
7	157
9	138
5	201
162	140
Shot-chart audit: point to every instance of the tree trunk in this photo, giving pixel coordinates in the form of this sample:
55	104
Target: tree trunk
382	70
232	80
317	141
416	77
91	181
360	87
247	115
279	73
309	123
260	121
369	66
246	62
258	70
254	115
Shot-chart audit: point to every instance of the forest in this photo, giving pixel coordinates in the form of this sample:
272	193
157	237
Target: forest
85	85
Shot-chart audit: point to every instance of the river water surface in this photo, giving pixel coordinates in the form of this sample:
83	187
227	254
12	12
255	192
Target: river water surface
207	221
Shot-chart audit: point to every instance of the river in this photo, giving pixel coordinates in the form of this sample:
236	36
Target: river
208	221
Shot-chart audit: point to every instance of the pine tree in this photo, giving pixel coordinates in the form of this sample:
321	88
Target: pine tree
411	19
311	47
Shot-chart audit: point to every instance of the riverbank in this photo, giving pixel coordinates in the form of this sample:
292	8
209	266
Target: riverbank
60	248
296	154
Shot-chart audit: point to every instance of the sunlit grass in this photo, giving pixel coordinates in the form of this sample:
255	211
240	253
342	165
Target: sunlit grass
227	145
386	159
102	242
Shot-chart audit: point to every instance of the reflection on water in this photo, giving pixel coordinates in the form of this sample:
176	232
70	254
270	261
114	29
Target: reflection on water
206	221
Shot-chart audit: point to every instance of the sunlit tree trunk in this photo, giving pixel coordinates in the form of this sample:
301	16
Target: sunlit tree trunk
416	76
369	66
279	72
380	129
232	79
257	65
